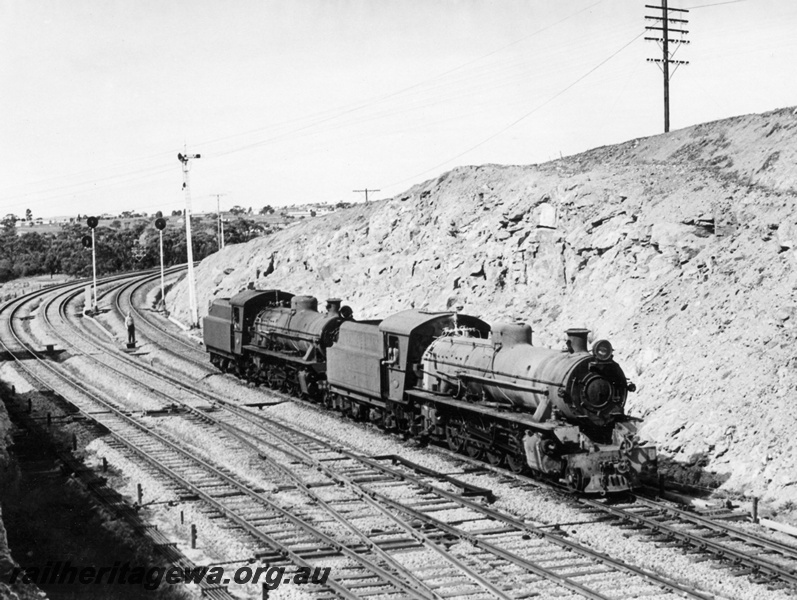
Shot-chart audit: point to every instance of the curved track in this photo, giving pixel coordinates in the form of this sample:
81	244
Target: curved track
286	535
465	545
574	574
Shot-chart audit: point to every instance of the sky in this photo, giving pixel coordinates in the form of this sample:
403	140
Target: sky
298	101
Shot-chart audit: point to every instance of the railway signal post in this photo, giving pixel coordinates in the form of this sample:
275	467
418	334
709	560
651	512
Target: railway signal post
92	222
184	158
160	225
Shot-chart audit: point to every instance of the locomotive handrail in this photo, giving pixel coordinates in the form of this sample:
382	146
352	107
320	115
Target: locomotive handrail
517	386
285	331
461	331
531	379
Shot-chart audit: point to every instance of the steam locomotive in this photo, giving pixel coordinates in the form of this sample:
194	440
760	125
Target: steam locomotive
445	377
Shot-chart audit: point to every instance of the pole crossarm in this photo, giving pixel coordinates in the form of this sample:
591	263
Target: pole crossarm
366	190
653	39
651	28
670	19
685	10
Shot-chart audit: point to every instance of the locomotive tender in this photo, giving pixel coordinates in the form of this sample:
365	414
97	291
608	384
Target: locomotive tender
445	377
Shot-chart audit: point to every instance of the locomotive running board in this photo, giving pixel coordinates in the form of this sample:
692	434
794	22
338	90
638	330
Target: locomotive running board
515	417
286	357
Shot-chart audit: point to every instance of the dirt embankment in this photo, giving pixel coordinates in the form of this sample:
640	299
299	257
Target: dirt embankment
679	248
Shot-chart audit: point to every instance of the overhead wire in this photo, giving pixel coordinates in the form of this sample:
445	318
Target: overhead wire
715	4
484	79
525	115
441	96
302	124
379	99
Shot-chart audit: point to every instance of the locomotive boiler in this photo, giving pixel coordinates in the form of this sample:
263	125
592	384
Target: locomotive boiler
299	329
576	428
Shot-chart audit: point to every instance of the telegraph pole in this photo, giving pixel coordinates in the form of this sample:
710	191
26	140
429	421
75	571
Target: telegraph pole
184	158
662	25
366	190
220	227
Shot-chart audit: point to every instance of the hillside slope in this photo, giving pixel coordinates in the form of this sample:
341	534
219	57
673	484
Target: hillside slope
679	248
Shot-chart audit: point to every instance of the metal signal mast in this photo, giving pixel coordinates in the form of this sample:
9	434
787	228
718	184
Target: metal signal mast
662	29
184	158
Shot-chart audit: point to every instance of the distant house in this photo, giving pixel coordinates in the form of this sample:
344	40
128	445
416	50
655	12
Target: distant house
299	214
308	210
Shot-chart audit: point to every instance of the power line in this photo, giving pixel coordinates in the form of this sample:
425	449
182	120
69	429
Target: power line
315	121
717	4
352	109
526	115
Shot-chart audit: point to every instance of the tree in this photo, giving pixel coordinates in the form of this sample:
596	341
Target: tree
266	210
177	213
9	222
237	210
28	214
6	270
159	215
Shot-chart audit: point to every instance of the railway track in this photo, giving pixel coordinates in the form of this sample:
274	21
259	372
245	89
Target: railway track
578	575
764	559
412	512
277	534
18	350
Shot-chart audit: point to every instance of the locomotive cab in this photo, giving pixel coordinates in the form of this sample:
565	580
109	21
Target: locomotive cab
246	306
226	328
407	335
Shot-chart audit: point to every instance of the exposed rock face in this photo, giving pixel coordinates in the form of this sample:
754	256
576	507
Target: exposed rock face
679	248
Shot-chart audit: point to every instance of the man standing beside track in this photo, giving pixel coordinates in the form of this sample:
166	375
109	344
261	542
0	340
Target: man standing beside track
131	329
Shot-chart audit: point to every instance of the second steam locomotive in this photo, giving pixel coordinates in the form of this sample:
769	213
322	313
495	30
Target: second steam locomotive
445	377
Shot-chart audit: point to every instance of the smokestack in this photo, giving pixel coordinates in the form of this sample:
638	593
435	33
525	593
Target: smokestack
333	306
577	340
